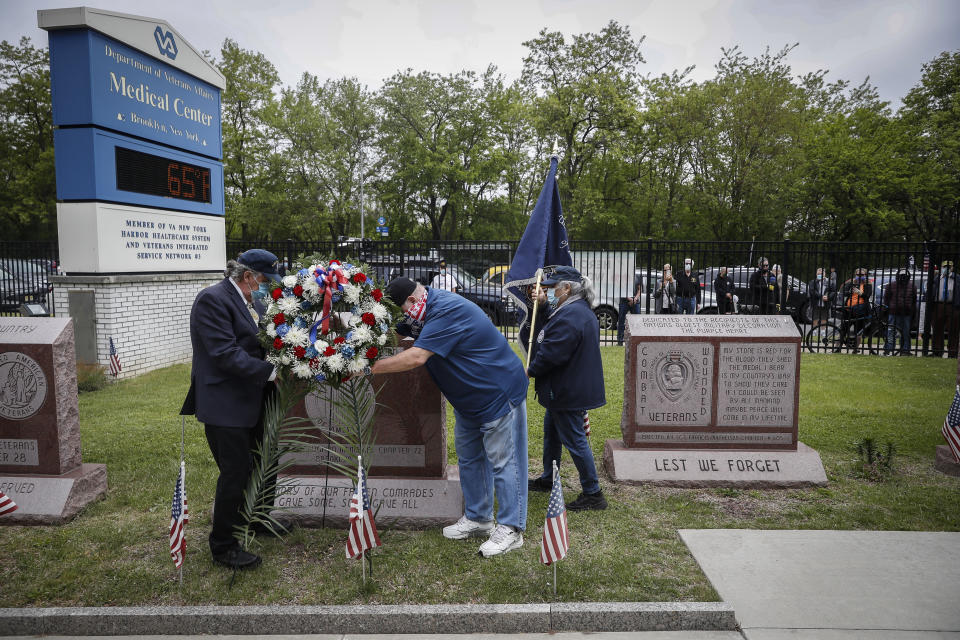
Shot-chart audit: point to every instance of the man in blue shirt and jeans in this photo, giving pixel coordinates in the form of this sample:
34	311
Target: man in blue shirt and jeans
477	371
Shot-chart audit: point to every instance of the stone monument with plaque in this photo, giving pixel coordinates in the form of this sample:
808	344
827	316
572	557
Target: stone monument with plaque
409	480
712	401
40	463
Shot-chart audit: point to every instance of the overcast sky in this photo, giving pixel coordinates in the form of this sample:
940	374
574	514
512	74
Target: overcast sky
887	40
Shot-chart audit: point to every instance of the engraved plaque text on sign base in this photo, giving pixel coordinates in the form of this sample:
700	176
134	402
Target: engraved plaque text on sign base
40	463
712	401
409	482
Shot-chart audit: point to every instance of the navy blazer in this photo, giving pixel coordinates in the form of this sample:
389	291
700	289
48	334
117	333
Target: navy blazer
566	360
229	374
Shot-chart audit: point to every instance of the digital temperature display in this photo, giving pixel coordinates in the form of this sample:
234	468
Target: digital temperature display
158	176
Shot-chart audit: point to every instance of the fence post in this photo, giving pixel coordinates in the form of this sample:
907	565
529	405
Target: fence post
649	272
785	280
929	248
400	251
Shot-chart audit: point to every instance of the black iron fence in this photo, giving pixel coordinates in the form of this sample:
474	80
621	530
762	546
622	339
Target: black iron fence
846	310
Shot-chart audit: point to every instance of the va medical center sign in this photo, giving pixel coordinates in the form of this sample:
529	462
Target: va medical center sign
137	144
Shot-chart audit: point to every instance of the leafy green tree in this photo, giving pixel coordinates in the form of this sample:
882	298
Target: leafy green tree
27	184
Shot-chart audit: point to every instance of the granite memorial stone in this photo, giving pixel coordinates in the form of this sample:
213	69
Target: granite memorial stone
408	477
40	462
712	401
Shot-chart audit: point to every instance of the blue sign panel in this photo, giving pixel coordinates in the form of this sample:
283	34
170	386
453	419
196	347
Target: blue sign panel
96	80
93	164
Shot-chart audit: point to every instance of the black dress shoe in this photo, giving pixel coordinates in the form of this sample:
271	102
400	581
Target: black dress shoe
237	558
588	502
539	484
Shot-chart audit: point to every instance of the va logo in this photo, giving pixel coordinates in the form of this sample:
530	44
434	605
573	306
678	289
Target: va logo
166	43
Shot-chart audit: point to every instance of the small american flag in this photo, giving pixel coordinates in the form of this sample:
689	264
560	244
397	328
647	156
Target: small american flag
556	540
6	504
179	517
951	426
586	423
363	530
115	367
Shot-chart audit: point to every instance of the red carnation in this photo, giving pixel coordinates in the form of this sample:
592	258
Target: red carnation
299	352
329	351
298	291
368	319
279	319
345	379
377	294
277	293
372	353
278	343
359	278
340	340
315	363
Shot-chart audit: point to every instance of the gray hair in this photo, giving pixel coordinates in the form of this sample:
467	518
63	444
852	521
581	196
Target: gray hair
584	288
235	270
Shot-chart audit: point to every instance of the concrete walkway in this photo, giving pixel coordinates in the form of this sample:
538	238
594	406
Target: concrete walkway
834	585
645	635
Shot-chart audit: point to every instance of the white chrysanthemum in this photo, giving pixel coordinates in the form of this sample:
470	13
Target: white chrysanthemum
354	321
357	364
320	346
273	309
361	335
379	311
335	362
310	287
290	281
285	358
273	359
302	370
382	340
331	336
297	337
288	305
351	294
272	330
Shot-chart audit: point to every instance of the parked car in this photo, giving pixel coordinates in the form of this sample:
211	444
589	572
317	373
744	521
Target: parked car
15	291
797	299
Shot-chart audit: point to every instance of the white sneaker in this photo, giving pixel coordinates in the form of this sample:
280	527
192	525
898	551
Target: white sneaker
465	528
502	539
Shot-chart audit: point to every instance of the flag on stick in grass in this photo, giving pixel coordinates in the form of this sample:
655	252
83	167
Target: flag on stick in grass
6	504
363	530
115	367
179	517
951	426
556	540
586	423
544	243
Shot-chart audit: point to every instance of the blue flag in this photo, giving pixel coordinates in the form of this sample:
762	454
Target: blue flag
544	243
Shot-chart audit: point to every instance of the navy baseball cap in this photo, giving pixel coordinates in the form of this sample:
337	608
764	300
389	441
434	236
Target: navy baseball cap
400	289
262	261
562	274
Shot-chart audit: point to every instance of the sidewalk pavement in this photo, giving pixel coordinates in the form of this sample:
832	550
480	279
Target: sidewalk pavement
644	635
834	585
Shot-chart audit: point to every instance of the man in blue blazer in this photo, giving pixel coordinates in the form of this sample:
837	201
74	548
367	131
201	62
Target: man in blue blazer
229	383
565	360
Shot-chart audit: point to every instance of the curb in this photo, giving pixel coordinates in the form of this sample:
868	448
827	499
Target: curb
359	619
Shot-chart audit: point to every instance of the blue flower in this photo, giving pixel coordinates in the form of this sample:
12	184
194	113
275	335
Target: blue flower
305	305
348	266
300	323
383	327
347	351
303	272
282	329
320	377
311	352
287	293
349	336
355	311
336	296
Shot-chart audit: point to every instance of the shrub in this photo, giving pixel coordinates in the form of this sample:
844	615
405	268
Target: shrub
91	377
876	462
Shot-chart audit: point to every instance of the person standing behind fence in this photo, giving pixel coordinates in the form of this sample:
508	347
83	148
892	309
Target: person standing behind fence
901	300
946	310
688	289
856	301
629	305
723	289
763	285
821	292
665	297
444	280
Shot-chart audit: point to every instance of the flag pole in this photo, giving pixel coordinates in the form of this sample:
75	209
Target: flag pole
556	561
533	318
183	426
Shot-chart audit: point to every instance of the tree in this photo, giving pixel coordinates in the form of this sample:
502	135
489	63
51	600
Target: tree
27	184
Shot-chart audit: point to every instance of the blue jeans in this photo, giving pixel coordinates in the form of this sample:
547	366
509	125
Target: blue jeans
493	457
688	306
622	312
565	428
903	323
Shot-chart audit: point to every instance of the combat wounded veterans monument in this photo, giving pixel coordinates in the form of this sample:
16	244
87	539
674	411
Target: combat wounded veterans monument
712	401
40	462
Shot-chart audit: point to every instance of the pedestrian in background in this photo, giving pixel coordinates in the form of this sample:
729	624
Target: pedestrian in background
901	300
665	297
763	285
723	289
688	289
821	292
946	310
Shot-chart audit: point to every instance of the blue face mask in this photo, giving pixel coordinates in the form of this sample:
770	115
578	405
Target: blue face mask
258	295
551	298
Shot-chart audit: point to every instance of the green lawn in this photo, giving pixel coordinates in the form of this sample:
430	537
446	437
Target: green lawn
115	553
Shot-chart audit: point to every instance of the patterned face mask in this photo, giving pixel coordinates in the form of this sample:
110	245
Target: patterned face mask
418	309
